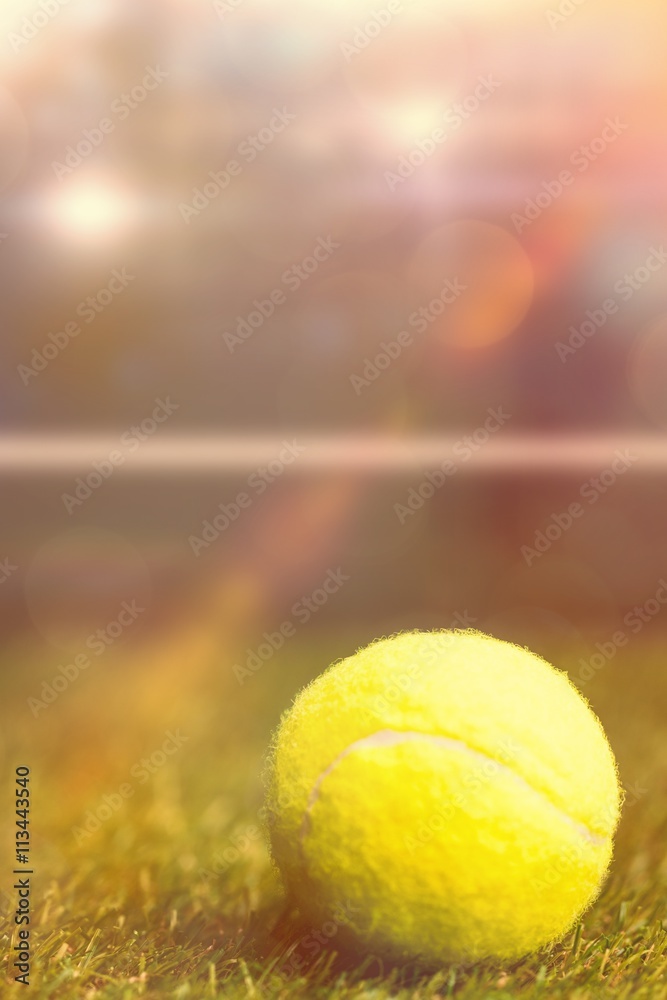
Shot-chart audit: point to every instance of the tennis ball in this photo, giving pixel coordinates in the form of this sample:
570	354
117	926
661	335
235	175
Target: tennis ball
442	796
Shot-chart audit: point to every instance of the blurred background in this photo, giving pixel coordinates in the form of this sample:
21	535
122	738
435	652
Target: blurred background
321	320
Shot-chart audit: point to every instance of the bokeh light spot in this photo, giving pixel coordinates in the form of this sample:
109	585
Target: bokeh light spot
91	211
409	70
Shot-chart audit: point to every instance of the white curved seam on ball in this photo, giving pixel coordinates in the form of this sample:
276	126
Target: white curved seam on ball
392	737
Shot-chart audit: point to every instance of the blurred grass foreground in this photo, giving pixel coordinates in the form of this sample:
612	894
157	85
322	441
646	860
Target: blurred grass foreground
152	873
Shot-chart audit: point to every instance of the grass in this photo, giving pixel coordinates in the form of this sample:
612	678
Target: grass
137	908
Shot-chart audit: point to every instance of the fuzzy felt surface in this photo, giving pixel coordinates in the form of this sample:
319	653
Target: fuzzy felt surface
452	794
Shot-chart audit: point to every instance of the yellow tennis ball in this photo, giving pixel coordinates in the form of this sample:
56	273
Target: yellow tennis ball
442	795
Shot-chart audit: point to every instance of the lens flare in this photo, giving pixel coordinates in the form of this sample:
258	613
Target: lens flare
481	273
